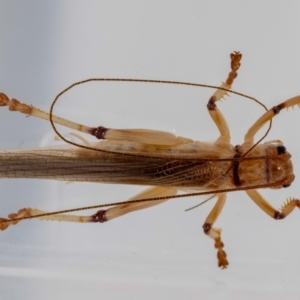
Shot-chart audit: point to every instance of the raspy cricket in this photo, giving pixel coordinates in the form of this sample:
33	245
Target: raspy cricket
162	160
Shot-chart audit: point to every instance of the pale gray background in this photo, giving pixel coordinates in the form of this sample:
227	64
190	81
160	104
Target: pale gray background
159	253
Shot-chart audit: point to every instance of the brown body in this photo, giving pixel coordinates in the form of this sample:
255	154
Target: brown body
196	165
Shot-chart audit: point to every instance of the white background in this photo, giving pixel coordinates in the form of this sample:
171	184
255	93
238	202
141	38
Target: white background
159	253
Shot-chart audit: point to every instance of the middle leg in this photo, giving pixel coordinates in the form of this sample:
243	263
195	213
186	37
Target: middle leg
214	112
215	233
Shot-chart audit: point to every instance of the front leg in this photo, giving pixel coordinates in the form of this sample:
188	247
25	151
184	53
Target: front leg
214	112
285	210
267	116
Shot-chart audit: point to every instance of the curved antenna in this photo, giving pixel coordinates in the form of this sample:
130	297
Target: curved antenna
146	81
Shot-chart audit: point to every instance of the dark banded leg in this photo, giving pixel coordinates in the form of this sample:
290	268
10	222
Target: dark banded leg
120	210
146	136
214	112
101	216
215	233
267	116
285	210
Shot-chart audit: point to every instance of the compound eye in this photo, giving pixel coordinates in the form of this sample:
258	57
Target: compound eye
281	149
286	185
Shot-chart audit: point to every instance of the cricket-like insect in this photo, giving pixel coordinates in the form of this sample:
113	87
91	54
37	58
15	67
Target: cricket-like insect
159	159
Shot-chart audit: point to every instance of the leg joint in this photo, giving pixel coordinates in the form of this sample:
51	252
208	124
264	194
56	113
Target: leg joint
211	105
278	215
206	228
99	132
278	108
99	217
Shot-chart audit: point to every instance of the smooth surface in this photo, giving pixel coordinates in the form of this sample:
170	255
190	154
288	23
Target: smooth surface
159	253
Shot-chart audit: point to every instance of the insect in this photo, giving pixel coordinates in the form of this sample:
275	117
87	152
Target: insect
159	159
